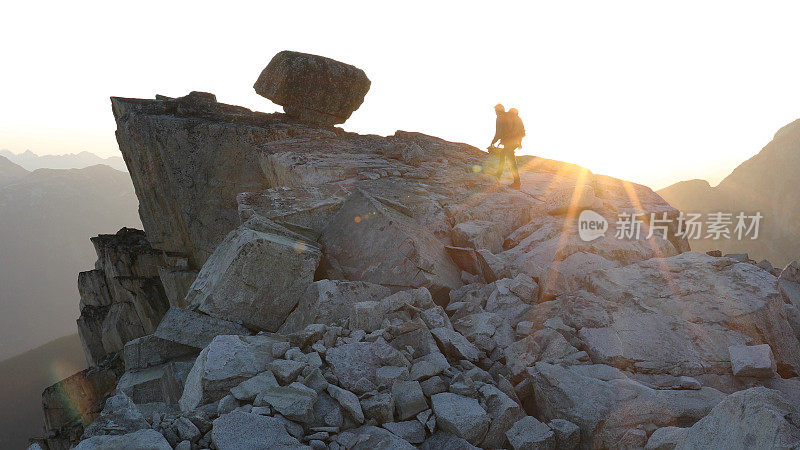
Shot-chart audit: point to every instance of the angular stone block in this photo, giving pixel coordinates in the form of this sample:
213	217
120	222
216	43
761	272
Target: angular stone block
158	384
254	278
330	301
150	350
226	362
752	361
375	243
194	329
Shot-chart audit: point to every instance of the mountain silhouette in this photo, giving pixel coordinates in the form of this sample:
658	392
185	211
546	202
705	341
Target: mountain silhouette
765	184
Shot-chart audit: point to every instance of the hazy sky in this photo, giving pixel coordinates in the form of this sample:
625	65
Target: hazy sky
653	92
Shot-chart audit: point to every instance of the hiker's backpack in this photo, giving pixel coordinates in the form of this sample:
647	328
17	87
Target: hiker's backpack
518	128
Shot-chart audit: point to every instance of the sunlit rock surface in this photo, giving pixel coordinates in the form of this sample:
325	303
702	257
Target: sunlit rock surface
359	291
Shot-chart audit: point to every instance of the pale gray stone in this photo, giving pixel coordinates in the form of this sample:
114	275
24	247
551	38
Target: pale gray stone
138	440
367	316
279	349
158	384
248	390
420	298
442	440
354	361
327	411
524	287
752	361
349	402
408	399
176	282
225	363
286	370
666	438
524	329
261	410
386	375
719	296
433	385
316	380
119	416
435	318
567	434
455	345
462	416
231	285
754	418
589	396
391	249
378	406
422	369
186	429
479	234
689	383
562	201
238	430
410	430
194	329
530	434
368	437
331	302
295	401
148	351
226	404
503	413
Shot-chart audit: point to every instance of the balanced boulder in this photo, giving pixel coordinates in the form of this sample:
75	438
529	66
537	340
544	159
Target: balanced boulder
313	88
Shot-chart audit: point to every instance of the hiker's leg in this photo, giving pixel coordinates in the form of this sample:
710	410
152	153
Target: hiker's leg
512	160
501	165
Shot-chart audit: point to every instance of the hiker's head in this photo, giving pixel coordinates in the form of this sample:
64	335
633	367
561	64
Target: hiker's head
513	111
499	109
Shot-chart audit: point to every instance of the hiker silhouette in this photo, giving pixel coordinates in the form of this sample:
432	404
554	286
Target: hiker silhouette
509	130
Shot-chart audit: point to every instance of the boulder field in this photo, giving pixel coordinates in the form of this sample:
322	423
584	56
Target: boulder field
299	286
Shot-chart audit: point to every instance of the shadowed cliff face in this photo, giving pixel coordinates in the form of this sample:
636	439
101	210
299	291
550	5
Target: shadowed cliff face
765	183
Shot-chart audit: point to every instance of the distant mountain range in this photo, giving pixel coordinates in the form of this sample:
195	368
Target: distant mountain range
765	184
31	161
46	219
24	378
10	171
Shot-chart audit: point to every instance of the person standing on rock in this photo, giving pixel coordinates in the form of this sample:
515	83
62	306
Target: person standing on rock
509	130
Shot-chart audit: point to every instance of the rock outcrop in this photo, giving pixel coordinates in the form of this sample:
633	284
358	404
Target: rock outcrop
123	297
754	418
360	292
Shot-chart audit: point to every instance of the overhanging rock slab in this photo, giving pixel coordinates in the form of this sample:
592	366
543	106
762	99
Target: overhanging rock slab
372	242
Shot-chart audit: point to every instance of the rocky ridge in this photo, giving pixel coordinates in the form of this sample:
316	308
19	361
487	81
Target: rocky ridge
298	286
